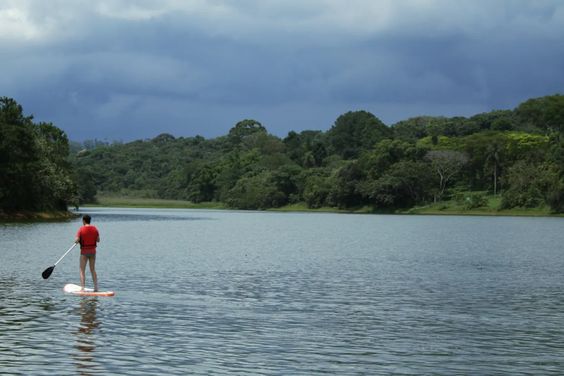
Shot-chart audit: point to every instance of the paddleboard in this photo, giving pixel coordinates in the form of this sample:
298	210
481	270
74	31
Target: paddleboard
75	289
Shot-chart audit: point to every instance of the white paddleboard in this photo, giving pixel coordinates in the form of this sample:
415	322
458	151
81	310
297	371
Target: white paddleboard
76	290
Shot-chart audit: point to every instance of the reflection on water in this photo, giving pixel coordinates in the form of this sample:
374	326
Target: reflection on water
86	335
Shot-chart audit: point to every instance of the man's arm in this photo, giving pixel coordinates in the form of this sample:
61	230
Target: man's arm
77	239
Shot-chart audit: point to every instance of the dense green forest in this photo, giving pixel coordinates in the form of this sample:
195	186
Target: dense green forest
35	172
517	155
358	162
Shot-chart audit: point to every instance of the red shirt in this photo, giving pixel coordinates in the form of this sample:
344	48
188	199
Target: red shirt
88	236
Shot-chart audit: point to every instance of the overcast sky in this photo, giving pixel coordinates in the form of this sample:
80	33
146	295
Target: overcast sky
125	70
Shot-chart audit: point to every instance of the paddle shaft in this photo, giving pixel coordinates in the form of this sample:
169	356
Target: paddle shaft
70	249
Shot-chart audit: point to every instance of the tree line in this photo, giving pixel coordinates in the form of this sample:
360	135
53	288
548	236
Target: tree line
35	170
359	162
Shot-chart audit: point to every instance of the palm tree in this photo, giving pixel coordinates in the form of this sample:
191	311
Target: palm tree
494	153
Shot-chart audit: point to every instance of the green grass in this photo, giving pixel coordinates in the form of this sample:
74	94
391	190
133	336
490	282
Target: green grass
450	207
302	207
135	202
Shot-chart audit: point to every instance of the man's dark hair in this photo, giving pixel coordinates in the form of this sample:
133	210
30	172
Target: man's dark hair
86	218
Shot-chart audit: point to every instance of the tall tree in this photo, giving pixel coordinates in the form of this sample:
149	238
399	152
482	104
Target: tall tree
446	163
18	153
34	171
493	161
244	129
546	113
356	131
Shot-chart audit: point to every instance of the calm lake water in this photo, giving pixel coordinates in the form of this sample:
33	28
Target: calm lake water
225	292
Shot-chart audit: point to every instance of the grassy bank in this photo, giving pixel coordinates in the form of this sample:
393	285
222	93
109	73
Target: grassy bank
445	209
136	202
491	208
440	208
302	207
27	216
133	202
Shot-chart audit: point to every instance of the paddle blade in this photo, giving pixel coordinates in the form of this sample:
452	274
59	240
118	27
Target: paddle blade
47	272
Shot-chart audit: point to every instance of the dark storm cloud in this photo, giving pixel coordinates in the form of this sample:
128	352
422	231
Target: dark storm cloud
134	69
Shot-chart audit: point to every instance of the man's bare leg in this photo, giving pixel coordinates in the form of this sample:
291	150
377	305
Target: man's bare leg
92	263
83	260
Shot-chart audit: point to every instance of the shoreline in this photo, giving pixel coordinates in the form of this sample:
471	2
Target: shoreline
435	209
59	216
43	216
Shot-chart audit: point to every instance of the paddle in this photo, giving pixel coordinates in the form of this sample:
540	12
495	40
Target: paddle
47	272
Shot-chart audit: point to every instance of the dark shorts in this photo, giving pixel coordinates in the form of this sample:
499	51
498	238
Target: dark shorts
88	253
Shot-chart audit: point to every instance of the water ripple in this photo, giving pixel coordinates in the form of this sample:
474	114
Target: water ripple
281	304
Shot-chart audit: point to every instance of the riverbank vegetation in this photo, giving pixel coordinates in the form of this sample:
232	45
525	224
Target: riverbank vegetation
36	176
512	159
139	202
447	207
503	161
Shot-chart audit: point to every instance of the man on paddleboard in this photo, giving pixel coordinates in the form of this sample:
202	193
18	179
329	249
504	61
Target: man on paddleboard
88	237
